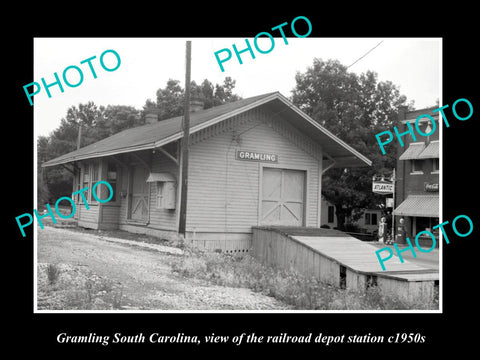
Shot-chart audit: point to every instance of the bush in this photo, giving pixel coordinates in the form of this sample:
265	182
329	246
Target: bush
352	228
75	288
53	272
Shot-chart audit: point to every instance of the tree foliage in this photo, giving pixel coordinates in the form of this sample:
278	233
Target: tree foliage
354	108
170	99
97	122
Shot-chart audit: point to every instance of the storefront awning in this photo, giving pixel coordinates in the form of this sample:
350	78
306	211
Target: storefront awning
419	205
432	151
413	151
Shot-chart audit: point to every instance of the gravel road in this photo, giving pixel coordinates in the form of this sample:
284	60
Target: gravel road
145	276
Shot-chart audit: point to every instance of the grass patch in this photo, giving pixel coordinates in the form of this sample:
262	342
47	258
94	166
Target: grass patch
67	287
290	287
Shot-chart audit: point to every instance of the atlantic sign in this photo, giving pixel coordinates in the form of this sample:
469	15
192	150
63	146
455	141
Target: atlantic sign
382	187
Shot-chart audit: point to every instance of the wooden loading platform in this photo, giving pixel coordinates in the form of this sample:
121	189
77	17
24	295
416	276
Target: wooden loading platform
341	260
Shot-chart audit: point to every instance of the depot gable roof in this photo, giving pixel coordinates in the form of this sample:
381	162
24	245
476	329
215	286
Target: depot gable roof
152	136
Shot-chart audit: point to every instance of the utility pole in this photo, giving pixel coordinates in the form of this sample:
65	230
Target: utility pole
79	138
185	143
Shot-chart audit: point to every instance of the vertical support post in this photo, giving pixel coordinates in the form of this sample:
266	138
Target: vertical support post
393	206
185	143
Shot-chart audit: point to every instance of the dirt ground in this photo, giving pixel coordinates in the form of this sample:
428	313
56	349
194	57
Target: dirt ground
135	277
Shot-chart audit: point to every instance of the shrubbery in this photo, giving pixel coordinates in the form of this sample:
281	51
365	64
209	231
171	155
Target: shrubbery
69	287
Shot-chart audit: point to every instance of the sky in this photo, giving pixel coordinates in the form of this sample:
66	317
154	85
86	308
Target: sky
413	64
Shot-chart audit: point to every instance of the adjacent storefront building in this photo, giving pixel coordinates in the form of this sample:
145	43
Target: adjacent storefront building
417	176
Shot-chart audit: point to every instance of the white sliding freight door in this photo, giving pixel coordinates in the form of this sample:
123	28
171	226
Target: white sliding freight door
283	197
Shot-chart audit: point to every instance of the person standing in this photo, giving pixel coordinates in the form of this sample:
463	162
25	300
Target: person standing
382	229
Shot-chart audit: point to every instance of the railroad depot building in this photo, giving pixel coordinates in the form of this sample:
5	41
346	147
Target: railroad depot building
418	170
253	162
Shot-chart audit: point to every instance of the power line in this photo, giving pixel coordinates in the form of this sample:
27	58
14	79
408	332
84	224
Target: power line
368	52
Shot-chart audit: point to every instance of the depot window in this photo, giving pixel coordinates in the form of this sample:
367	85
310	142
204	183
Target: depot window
112	179
85	179
166	190
90	175
76	184
166	195
93	179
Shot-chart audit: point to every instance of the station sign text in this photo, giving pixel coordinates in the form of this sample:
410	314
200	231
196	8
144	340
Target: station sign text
256	156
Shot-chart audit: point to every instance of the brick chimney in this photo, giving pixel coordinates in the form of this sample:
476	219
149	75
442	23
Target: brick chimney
151	116
196	105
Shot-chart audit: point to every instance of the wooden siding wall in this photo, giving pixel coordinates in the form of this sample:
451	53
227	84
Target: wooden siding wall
99	215
109	215
276	250
412	290
223	194
88	218
161	219
227	243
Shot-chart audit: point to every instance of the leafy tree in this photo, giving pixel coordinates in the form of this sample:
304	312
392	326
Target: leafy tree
170	99
354	108
225	92
97	122
117	118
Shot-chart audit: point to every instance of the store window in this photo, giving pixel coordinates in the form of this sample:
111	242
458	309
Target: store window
426	223
370	218
417	167
434	222
435	166
331	214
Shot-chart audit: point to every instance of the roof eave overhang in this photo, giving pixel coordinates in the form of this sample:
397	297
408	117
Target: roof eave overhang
94	155
355	159
164	141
